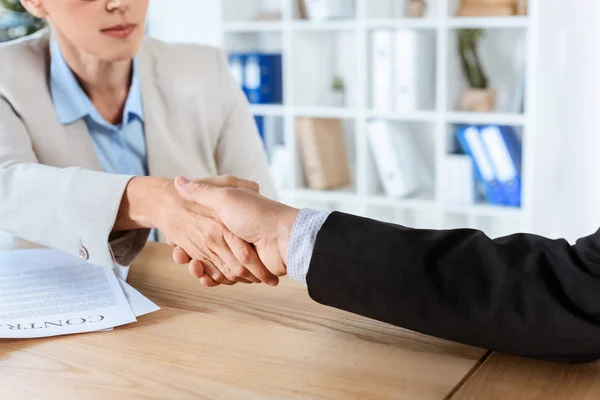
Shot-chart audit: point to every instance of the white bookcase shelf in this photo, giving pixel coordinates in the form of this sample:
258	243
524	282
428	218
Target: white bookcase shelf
485	211
325	112
316	51
241	27
414	116
307	25
269	110
458	117
488	22
401	23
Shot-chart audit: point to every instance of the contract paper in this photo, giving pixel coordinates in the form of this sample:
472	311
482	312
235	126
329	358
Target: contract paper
49	293
140	305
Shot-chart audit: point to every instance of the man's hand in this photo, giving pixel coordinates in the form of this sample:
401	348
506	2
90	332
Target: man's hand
196	230
255	219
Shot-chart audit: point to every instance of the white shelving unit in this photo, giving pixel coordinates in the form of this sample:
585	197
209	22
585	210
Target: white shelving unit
343	46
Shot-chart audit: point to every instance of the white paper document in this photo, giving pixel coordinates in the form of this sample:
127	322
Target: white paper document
49	293
140	305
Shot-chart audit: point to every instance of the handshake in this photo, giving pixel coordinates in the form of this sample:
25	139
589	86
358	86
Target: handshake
226	231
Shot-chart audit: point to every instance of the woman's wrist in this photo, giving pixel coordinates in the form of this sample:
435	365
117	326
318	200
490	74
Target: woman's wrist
141	203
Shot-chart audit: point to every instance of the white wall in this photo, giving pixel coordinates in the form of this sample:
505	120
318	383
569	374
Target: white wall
567	196
195	21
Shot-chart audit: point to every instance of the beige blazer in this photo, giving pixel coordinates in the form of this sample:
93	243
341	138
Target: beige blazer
52	193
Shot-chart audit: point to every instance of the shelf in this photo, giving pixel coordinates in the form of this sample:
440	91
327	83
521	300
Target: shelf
326	196
317	50
482	210
343	25
324	112
459	117
417	204
240	27
268	110
407	23
402	23
488	22
350	196
414	116
423	204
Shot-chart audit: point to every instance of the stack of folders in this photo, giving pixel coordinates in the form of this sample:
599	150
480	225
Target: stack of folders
402	70
259	75
496	154
402	170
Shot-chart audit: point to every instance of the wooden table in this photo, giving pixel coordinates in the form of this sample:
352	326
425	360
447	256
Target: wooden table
256	342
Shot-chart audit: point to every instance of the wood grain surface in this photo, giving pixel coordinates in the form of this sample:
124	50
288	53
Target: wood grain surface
503	377
242	342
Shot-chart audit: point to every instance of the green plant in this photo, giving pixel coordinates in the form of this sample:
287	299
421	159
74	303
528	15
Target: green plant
15	21
468	40
12	5
337	85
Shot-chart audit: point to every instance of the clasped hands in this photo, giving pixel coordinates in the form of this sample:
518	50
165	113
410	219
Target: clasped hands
227	232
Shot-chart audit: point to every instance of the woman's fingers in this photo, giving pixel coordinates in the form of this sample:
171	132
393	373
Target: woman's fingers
208	282
180	256
216	274
247	264
225	267
196	268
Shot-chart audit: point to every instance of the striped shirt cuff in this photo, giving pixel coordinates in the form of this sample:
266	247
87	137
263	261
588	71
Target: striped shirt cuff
302	242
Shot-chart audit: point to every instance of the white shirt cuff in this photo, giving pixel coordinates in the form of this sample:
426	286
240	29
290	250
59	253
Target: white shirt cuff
302	242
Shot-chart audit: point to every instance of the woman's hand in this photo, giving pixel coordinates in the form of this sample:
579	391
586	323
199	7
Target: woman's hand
198	234
266	224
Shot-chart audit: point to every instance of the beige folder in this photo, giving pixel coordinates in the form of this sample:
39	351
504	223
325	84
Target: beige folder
323	153
487	11
490	3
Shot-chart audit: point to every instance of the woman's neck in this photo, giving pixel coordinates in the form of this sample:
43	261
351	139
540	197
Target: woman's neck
105	82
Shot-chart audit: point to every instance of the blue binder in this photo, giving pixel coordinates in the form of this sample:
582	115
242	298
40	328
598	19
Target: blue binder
260	125
237	63
263	78
472	144
504	150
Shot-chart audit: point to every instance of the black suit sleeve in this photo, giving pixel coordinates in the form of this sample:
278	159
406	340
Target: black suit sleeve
521	294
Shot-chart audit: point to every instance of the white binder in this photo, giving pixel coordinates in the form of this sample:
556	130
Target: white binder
382	59
401	169
414	71
329	9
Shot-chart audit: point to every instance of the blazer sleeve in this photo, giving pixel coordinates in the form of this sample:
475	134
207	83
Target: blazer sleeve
64	209
240	150
521	294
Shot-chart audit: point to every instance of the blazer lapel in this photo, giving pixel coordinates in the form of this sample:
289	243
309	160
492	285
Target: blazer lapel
155	128
72	144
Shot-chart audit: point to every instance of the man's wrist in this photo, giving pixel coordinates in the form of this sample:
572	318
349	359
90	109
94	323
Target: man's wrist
286	226
302	242
142	203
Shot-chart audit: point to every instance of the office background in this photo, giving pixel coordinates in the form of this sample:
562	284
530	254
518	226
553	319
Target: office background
371	106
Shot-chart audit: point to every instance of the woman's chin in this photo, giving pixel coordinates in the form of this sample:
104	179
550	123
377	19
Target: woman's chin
115	51
118	55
